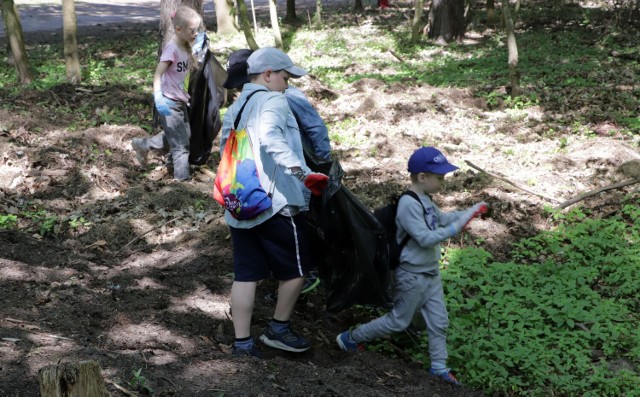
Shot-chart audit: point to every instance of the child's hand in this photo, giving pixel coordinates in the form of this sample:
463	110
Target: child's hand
161	103
466	217
316	182
477	210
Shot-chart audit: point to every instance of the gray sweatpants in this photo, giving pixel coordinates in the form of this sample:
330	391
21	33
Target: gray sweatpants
175	137
413	291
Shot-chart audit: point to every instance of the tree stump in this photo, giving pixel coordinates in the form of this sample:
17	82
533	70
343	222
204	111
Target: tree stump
79	379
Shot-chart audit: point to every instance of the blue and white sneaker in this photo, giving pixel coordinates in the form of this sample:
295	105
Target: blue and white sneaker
286	340
346	343
445	375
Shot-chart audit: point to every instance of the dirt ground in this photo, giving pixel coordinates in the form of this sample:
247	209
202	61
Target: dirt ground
141	282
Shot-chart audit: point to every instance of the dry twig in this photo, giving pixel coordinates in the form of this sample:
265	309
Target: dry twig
122	389
596	191
470	164
149	231
395	54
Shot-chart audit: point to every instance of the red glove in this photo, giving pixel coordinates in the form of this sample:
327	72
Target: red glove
316	182
478	209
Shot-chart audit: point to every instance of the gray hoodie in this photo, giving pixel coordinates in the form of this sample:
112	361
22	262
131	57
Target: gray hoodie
422	252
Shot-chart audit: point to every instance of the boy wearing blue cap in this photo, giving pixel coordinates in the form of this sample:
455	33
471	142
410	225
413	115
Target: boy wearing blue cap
418	282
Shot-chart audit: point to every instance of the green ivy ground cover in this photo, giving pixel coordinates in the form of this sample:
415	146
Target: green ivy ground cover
561	318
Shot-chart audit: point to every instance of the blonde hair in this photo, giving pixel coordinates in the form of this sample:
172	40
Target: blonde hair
181	18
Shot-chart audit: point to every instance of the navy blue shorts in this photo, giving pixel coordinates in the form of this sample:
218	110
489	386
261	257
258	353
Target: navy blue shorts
277	247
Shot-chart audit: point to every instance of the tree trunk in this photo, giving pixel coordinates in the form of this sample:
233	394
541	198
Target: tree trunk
196	5
512	46
416	25
318	16
245	25
275	26
358	6
167	9
70	34
491	12
13	29
225	16
72	380
290	16
447	21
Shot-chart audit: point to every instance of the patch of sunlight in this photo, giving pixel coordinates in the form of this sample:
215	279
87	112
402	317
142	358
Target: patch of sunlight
10	177
45	339
9	352
148	283
41	356
97	192
213	305
162	357
157	260
12	270
214	368
146	334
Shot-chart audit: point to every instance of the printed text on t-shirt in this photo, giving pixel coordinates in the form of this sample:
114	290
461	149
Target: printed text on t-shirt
182	66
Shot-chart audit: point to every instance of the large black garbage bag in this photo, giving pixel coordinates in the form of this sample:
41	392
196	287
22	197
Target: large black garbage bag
349	245
207	96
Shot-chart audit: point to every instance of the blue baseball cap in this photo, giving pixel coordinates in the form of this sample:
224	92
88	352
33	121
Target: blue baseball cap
429	159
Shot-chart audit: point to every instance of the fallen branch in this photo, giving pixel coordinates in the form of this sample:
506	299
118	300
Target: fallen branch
122	389
596	191
470	164
398	57
208	172
149	231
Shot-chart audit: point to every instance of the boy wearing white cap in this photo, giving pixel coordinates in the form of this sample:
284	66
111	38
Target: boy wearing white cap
273	243
418	283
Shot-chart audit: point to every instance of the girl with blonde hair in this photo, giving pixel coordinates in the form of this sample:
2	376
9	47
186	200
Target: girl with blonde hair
170	96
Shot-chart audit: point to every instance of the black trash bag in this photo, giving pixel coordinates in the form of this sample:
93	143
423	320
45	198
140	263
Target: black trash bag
348	243
207	96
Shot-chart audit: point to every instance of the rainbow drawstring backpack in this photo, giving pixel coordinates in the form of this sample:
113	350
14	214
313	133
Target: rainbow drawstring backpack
237	185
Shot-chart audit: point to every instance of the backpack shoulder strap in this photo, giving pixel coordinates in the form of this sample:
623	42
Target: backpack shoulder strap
237	120
413	194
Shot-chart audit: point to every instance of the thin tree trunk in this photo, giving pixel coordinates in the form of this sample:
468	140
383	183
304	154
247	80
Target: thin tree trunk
165	30
70	38
358	6
225	16
318	16
196	5
491	12
512	46
275	26
416	25
245	25
13	29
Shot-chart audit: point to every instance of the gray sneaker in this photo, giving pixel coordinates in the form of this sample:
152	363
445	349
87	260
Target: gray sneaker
141	151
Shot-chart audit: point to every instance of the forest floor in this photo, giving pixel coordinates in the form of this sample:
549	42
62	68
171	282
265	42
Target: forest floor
142	280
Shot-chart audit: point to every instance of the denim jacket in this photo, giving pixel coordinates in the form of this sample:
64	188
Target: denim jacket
277	148
313	131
